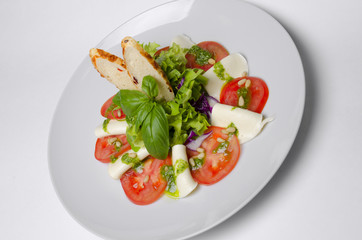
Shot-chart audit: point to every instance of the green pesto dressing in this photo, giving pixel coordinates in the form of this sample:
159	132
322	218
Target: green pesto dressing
168	174
180	166
219	70
198	163
246	94
105	125
111	109
236	130
117	147
202	56
135	162
113	158
222	147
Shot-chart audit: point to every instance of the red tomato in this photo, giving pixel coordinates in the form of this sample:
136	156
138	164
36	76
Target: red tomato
258	91
160	50
108	110
217	51
110	147
218	161
147	186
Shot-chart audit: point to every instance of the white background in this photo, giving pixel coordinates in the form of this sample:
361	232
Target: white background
317	193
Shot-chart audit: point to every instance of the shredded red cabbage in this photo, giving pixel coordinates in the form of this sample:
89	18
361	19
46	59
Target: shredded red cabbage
212	101
202	105
181	83
189	138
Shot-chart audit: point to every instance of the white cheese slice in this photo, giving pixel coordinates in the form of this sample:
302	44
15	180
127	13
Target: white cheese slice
248	123
184	181
114	127
183	40
235	65
116	169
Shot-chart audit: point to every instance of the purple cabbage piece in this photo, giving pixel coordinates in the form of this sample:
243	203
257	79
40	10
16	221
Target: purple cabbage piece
196	143
189	138
181	83
203	105
212	101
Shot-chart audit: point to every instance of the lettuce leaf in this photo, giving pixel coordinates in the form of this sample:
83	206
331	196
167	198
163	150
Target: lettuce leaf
181	115
188	84
173	63
182	119
150	48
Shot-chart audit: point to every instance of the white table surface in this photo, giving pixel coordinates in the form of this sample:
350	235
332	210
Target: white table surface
317	193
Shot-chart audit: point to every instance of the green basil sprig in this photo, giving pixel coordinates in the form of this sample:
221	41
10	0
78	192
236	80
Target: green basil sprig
146	118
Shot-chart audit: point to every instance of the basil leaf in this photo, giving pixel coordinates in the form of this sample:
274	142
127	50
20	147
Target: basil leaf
130	101
149	86
142	114
155	132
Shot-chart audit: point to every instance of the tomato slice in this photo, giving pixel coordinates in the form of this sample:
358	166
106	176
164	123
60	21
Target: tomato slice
145	186
217	51
112	111
111	147
220	157
257	97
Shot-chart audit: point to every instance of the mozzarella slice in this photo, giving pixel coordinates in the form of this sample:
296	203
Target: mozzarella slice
234	64
183	41
114	127
117	168
248	123
184	181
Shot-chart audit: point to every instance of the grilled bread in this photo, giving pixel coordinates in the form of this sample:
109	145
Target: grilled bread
113	69
140	64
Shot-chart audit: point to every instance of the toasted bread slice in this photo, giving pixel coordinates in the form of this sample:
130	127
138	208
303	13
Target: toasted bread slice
113	69
140	64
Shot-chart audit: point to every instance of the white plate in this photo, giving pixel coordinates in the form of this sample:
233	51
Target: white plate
98	203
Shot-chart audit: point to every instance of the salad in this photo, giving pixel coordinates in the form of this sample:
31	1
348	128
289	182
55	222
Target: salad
180	116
